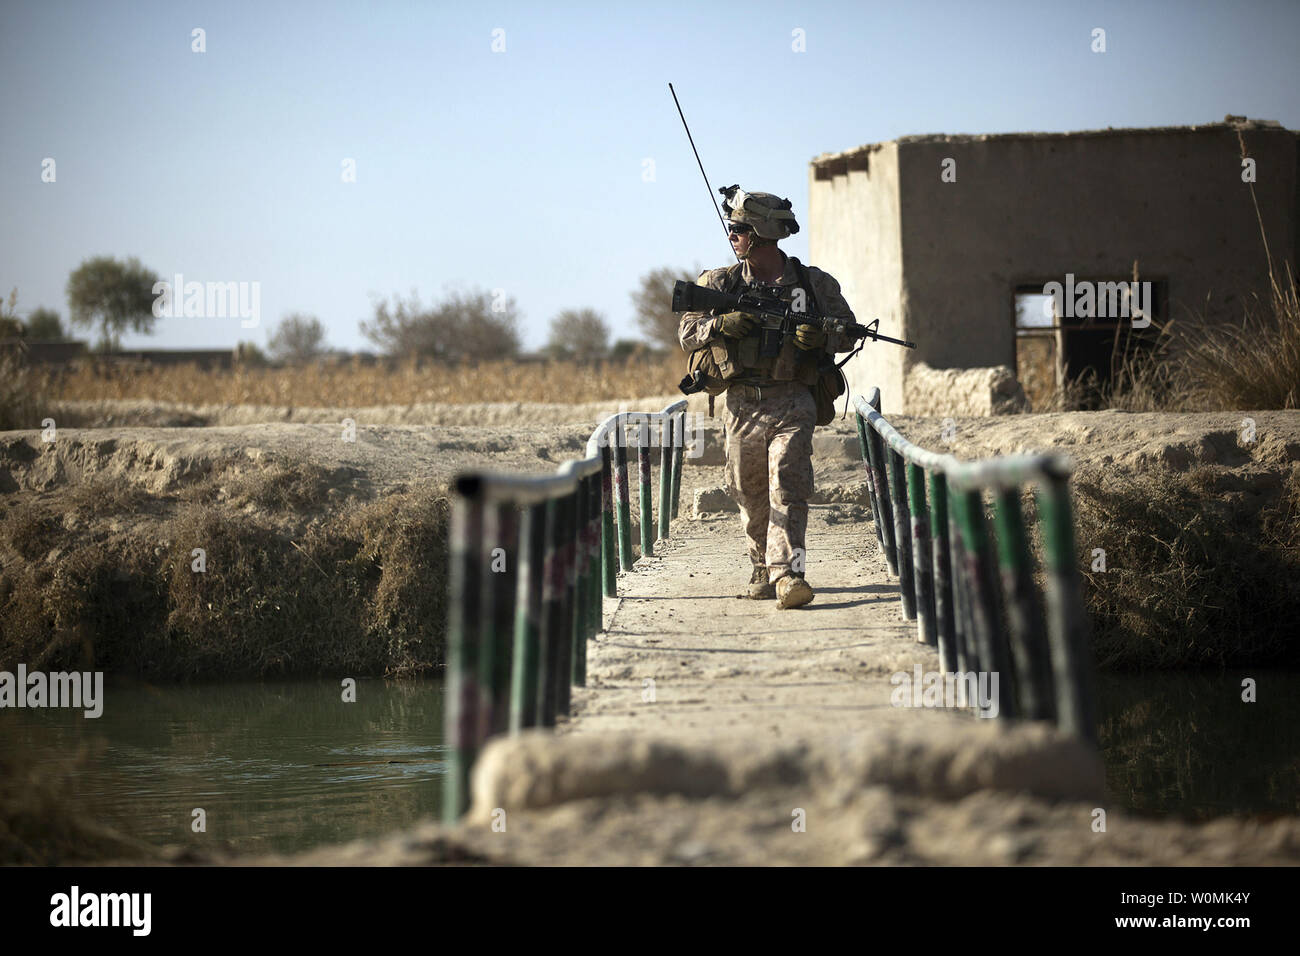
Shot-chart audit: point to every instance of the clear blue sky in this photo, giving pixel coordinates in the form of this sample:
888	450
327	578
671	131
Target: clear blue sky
523	170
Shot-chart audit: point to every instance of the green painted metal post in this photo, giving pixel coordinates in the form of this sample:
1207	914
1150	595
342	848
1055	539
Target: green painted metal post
551	633
596	612
876	448
902	533
643	488
581	585
679	454
871	482
1067	616
463	634
665	476
500	559
922	568
528	614
608	547
990	635
943	610
563	673
581	605
624	509
967	659
1029	650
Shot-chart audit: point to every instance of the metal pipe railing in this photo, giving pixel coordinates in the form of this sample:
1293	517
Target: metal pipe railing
531	557
970	587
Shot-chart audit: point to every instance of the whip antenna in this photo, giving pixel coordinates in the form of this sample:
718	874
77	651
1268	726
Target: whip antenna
701	165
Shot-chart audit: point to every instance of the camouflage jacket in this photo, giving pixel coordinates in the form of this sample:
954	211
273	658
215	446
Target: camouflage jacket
697	329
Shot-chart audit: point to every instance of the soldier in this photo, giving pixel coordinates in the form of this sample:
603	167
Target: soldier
770	409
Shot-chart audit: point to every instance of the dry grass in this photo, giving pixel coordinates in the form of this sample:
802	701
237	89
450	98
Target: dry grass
1253	365
305	583
41	822
20	395
1199	366
354	384
1203	569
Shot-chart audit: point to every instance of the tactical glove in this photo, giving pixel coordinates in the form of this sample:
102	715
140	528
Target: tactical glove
809	337
736	325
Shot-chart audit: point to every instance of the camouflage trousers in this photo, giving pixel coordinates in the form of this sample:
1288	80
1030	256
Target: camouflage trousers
770	472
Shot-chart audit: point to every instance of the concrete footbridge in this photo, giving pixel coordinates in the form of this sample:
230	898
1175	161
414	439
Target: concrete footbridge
585	669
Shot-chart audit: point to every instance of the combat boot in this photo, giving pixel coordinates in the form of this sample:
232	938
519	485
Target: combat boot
793	591
760	589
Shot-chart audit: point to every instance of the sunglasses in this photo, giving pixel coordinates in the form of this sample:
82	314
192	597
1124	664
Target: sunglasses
739	230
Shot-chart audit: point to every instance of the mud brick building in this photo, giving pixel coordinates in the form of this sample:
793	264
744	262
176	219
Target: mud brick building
950	240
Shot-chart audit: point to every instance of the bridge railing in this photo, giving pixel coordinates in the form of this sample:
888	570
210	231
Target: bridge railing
985	613
528	555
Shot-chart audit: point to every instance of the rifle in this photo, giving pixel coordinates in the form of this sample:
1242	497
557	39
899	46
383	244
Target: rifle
689	297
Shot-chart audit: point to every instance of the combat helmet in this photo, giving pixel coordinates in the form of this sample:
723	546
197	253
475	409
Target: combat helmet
769	215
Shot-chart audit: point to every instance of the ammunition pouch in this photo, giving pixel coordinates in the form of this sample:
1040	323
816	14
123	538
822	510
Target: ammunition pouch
764	354
830	386
708	369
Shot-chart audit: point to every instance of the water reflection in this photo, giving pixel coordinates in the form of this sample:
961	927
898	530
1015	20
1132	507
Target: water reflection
276	766
1187	745
289	766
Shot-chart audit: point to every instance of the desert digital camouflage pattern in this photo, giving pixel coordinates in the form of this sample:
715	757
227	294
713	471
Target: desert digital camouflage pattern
697	328
769	432
768	214
770	472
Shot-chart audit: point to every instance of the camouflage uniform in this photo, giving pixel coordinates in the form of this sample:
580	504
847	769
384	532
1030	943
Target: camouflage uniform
769	425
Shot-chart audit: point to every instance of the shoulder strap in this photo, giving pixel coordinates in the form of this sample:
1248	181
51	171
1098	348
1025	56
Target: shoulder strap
733	278
802	272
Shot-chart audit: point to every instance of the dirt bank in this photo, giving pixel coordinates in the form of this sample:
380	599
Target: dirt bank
266	549
307	533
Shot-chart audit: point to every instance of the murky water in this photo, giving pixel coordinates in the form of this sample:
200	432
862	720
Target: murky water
1187	745
289	766
275	766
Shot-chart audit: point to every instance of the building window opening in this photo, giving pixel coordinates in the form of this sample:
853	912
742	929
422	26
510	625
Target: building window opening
1073	342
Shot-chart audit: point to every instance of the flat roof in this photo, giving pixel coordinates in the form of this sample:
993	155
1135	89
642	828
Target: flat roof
1230	122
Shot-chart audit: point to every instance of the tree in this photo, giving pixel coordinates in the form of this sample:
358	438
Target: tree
581	334
43	325
113	295
625	349
298	338
247	353
653	304
10	325
464	325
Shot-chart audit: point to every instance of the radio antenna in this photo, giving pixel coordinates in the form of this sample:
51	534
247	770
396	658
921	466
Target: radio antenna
725	231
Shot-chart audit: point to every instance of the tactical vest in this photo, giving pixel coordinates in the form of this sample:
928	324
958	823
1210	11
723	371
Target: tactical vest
765	354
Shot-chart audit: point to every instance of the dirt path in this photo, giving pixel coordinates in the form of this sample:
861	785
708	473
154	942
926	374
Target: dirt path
723	664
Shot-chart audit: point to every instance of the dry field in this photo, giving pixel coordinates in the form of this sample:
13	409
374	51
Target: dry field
355	384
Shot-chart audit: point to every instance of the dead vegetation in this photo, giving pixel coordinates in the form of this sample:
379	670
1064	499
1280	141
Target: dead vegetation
42	823
354	383
297	578
1199	366
21	397
1202	569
